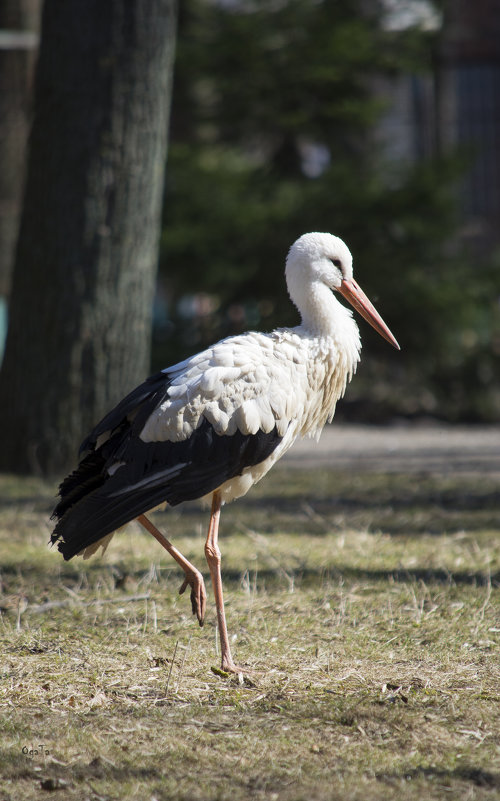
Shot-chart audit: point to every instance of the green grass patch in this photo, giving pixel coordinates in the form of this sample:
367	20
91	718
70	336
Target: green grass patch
366	609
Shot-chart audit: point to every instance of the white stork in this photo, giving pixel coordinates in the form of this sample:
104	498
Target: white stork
213	425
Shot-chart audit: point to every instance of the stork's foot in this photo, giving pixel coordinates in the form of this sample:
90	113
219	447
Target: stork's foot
238	670
198	593
228	668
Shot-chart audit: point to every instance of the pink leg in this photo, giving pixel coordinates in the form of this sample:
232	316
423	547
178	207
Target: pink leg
193	576
213	555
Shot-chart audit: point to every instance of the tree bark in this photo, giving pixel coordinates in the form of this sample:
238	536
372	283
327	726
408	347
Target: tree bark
80	317
19	24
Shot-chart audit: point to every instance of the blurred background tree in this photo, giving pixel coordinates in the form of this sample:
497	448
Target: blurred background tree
376	121
19	23
85	266
278	122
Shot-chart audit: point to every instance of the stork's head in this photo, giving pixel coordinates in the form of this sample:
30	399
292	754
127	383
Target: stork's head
319	257
326	260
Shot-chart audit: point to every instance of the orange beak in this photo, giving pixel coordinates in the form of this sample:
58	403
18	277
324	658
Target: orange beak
352	292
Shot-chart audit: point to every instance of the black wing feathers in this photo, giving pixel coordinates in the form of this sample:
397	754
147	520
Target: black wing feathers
153	390
94	503
89	475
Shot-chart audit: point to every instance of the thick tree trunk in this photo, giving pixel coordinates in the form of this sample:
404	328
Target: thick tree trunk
19	26
86	259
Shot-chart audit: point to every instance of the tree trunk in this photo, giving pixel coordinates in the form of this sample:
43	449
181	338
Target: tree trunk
83	283
19	23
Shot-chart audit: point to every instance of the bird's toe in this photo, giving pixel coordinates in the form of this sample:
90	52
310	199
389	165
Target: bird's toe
198	594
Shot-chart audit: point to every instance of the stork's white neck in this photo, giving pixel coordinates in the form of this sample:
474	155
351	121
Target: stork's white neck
325	319
324	316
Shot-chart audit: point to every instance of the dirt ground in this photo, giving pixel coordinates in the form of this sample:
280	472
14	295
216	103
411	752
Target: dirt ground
418	448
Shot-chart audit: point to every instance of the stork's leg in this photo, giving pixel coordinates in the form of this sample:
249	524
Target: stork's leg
213	555
193	576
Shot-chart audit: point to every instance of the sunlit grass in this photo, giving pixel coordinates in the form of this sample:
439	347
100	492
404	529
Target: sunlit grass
365	608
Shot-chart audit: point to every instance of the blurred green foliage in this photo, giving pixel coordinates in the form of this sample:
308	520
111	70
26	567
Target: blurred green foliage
272	135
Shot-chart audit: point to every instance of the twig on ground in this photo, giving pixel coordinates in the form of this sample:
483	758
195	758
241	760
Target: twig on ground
171	668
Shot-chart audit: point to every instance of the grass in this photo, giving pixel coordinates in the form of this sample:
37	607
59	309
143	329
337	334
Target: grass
366	607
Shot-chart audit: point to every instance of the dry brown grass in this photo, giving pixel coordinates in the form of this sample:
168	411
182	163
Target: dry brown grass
369	620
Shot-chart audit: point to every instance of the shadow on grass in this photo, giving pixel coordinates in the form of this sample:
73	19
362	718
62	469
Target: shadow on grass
397	504
460	499
301	576
14	765
450	500
476	776
305	577
396	513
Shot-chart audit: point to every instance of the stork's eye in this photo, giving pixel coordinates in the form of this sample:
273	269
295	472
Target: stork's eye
337	263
